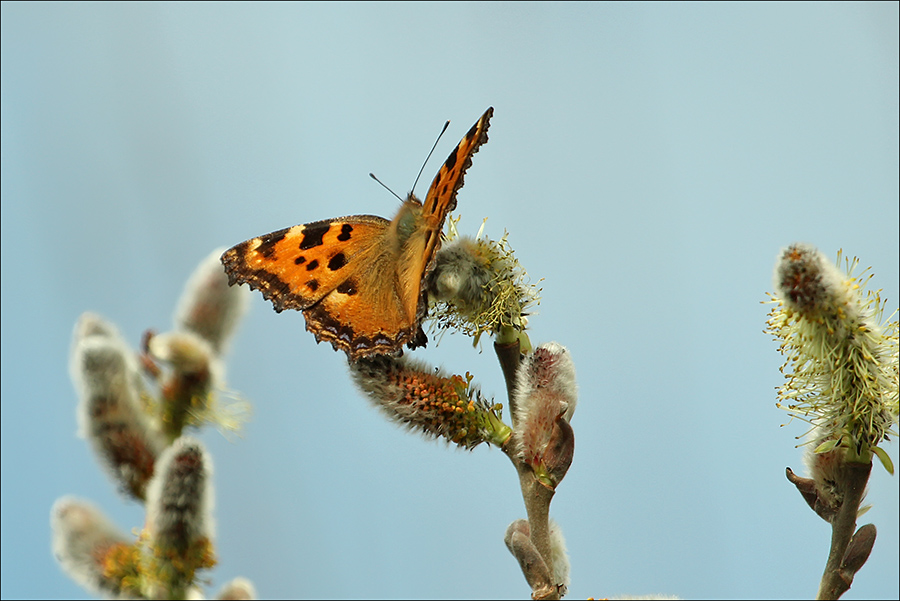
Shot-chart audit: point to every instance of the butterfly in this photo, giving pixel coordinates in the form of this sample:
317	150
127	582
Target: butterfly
359	279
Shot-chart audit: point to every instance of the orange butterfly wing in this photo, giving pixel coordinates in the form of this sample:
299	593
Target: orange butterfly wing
358	280
337	271
419	249
441	197
297	266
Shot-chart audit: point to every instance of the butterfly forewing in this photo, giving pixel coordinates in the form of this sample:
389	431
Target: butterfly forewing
297	266
441	197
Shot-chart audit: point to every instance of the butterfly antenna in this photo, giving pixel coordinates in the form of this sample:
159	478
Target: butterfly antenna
372	175
446	125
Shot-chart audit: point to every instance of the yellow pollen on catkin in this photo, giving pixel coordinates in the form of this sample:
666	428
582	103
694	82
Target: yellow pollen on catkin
841	362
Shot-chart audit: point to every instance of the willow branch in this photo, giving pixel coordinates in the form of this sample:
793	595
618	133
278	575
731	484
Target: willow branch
837	580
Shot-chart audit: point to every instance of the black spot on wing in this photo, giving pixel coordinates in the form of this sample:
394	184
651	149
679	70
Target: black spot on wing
348	288
313	234
337	261
346	230
300	260
312	265
450	163
271	285
312	285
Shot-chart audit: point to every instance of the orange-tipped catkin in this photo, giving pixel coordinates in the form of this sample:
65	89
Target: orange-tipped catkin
111	413
209	307
427	400
546	395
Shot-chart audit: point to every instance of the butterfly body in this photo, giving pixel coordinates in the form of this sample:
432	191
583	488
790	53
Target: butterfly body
358	279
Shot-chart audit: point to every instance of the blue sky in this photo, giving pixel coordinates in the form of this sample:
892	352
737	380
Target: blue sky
648	162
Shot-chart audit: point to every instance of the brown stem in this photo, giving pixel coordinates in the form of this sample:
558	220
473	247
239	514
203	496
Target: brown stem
835	581
509	357
537	499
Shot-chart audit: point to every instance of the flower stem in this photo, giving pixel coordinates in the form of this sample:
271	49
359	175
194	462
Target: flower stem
835	580
537	499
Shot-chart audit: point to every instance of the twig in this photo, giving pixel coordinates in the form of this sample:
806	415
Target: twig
836	580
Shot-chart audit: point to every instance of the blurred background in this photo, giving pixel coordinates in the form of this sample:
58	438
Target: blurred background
648	161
